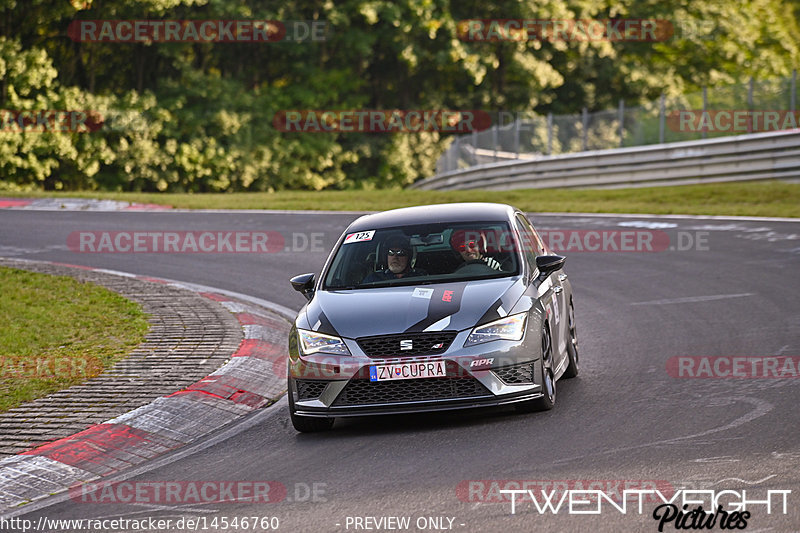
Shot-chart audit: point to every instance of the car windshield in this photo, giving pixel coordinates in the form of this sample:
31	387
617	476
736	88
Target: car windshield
423	254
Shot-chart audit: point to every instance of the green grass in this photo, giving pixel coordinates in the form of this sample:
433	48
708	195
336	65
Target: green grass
57	332
757	198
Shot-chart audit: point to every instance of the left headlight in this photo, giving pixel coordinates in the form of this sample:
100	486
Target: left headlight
312	342
510	328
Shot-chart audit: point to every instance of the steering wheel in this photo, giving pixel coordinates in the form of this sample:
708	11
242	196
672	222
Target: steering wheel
474	266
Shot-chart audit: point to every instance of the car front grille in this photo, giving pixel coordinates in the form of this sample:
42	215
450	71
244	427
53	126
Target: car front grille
517	374
365	392
309	389
427	343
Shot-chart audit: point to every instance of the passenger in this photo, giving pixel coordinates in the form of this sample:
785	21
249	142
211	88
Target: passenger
471	246
398	257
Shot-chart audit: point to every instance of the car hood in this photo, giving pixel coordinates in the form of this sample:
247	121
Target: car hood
415	308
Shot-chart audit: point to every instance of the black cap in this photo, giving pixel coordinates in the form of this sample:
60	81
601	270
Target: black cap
399	242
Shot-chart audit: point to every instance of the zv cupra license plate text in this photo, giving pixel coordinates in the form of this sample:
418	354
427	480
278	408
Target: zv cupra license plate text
428	369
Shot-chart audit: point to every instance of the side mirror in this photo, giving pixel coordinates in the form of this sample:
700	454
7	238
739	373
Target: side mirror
304	284
547	264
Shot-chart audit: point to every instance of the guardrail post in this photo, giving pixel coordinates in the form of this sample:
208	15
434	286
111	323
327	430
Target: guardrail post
516	138
750	87
661	119
704	134
494	141
474	147
550	133
793	92
455	150
621	121
585	122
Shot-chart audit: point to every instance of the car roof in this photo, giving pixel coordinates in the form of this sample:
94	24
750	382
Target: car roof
427	214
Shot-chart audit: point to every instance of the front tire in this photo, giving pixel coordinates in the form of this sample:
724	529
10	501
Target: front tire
548	400
572	346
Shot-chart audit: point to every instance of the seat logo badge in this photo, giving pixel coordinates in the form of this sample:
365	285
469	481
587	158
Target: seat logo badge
406	344
437	346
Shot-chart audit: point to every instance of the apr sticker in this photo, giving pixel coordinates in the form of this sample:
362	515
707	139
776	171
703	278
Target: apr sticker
422	293
359	237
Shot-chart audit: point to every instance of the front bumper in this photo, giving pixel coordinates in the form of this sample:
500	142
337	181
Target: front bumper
490	374
415	406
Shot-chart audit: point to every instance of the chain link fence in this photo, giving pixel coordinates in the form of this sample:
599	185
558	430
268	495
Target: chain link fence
704	114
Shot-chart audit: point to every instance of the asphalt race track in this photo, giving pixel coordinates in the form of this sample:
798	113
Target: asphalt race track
728	288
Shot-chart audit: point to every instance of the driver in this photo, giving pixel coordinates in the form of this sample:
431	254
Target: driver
471	246
398	257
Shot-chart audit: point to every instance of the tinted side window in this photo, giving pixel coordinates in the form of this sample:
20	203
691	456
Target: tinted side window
538	247
528	242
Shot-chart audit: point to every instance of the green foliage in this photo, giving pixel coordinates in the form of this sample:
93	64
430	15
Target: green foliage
197	117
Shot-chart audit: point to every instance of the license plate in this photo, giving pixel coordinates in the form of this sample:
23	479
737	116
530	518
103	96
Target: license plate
423	369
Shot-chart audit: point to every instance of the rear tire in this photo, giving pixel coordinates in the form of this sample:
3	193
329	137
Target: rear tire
572	346
548	400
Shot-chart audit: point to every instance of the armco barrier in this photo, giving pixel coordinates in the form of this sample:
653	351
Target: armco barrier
771	155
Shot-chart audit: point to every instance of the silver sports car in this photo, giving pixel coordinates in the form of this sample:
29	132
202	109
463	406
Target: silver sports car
430	308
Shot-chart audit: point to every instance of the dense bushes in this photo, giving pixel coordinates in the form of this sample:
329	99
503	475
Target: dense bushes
198	116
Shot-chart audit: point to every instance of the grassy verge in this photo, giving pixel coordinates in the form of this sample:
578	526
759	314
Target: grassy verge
757	198
59	332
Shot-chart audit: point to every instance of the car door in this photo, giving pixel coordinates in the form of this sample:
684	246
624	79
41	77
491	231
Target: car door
551	292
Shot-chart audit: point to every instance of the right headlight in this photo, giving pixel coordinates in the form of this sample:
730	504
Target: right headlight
312	342
510	328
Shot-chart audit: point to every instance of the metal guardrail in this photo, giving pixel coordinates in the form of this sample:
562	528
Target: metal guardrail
771	155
